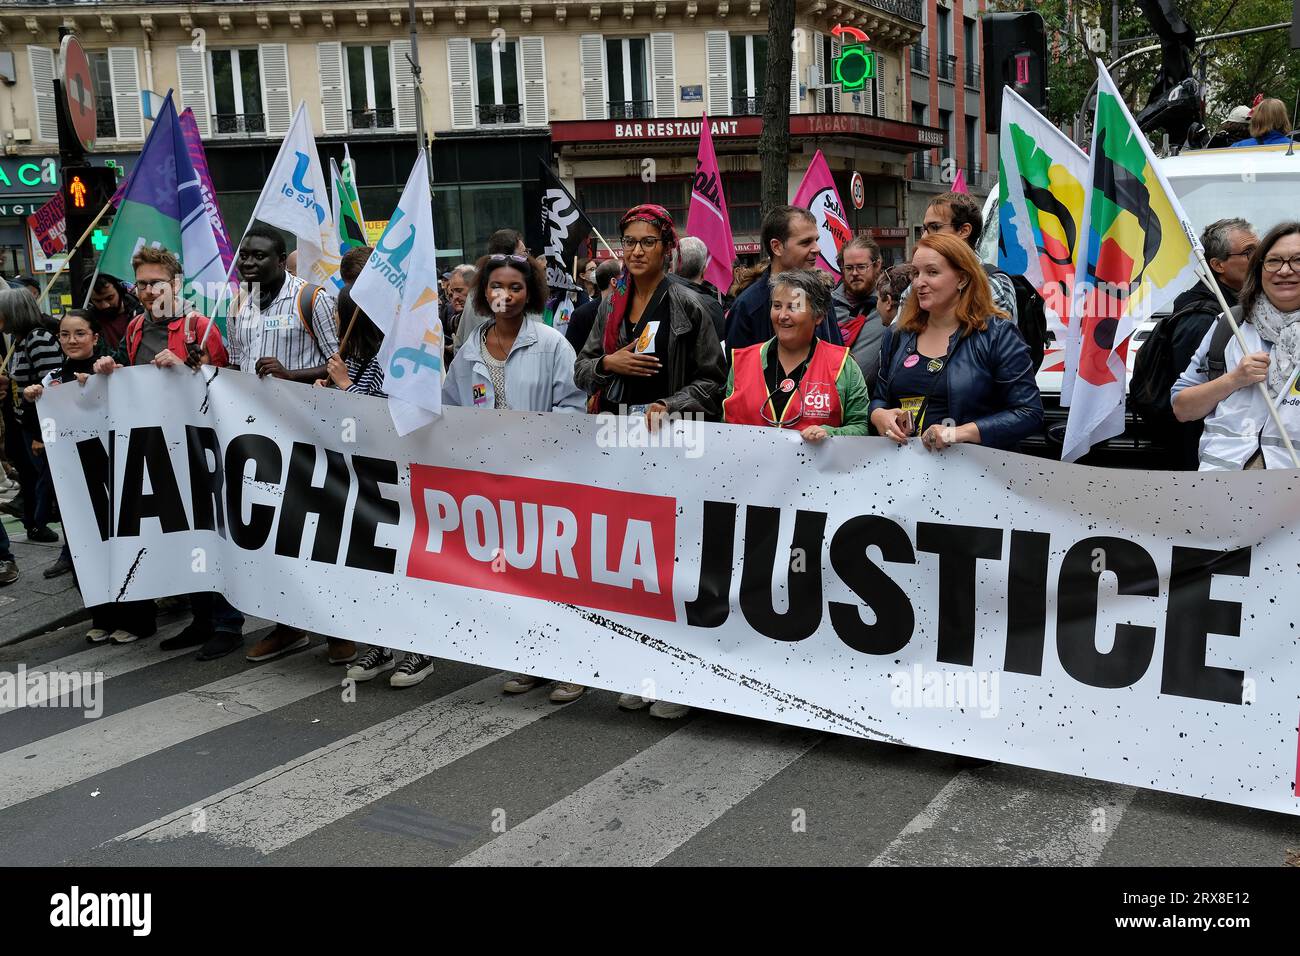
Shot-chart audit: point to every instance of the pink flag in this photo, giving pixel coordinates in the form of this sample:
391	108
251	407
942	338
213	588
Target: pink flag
707	218
959	184
818	195
199	160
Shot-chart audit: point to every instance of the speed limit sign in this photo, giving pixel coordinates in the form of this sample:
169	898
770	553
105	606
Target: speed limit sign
857	191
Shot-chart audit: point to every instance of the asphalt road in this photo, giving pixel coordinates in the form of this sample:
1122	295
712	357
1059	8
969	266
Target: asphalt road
226	762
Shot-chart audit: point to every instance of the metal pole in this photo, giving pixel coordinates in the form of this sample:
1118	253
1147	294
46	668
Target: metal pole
1114	26
414	57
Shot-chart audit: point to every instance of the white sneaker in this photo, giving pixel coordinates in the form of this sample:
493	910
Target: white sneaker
97	635
667	711
413	669
123	637
371	664
633	702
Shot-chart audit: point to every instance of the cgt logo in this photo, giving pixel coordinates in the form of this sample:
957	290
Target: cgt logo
551	540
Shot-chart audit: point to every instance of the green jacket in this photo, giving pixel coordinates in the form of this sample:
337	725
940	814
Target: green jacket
854	397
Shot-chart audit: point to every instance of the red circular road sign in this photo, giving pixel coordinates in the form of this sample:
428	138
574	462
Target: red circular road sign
857	191
78	90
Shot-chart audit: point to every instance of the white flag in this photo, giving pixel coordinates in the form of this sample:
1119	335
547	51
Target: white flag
296	199
398	290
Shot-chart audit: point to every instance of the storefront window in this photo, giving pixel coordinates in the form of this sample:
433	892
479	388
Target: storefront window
606	201
743	205
485	208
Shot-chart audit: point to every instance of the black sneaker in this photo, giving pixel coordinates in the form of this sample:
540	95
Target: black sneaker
58	568
193	635
371	664
413	669
220	644
43	535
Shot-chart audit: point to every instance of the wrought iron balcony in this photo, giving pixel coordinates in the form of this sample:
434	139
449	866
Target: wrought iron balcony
920	58
225	124
947	64
499	113
907	9
747	106
973	75
631	109
371	119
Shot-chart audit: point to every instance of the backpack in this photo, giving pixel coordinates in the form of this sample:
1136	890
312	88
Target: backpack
1154	373
1031	316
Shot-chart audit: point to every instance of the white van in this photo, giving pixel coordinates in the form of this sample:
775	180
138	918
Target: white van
1260	184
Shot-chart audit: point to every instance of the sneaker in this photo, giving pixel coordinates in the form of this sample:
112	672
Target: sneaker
340	651
371	664
8	572
97	635
667	711
193	635
219	645
283	640
521	684
413	669
566	693
123	637
633	701
42	535
59	567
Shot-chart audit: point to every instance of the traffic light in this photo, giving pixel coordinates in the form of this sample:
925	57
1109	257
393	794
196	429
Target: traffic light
86	190
1015	55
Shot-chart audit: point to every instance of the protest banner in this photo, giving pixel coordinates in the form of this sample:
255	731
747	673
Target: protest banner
1097	623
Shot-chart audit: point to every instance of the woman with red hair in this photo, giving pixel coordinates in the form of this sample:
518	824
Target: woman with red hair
950	370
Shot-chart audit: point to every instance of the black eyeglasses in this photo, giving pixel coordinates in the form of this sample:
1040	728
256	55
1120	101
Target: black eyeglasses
503	257
645	242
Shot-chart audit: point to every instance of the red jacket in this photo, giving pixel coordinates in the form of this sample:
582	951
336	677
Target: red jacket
180	331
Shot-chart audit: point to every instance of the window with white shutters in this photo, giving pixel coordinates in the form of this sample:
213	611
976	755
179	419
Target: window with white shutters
235	92
369	87
748	73
124	78
496	83
879	83
717	49
591	50
627	78
41	61
273	61
333	100
664	67
102	83
460	76
191	66
794	80
404	91
536	111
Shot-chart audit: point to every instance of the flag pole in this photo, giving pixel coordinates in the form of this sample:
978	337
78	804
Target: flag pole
347	333
1207	276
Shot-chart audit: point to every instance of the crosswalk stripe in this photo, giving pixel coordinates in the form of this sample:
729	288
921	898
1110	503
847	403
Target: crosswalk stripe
1002	815
100	745
644	809
273	809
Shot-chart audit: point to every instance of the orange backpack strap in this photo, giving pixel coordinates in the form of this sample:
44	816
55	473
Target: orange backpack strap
307	307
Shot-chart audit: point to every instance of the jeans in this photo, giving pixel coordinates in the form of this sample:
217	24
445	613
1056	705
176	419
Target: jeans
18	449
215	612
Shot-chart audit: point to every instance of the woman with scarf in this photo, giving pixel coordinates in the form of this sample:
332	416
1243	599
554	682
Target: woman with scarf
652	350
1239	430
794	379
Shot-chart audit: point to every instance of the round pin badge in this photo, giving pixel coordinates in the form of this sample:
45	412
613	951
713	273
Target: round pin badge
911	360
934	365
788	385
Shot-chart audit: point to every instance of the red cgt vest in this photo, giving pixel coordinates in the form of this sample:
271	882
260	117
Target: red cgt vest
821	397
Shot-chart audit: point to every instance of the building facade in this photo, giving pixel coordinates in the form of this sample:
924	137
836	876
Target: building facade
946	89
609	93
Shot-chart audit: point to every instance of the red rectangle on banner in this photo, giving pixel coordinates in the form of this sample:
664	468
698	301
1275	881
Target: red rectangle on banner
550	540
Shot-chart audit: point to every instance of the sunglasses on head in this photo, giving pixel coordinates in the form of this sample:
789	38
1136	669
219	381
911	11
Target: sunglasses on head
504	257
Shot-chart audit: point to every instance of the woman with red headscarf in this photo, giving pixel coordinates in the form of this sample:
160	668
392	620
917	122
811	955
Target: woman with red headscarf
652	350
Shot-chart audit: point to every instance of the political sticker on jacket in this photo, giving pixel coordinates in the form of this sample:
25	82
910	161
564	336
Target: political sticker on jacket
645	345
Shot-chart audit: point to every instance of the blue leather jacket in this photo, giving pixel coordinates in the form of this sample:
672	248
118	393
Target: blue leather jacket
990	382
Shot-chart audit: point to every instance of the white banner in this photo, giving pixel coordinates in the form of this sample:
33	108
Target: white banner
1130	627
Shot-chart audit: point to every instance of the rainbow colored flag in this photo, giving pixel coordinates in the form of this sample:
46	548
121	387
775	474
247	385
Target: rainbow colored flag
1040	210
1138	255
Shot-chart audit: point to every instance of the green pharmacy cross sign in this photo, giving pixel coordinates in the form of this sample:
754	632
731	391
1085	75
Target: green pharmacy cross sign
99	239
855	64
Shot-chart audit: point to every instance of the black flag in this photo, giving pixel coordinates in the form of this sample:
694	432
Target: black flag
565	229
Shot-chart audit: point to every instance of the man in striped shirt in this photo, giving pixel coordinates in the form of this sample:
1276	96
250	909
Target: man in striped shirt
269	335
278	332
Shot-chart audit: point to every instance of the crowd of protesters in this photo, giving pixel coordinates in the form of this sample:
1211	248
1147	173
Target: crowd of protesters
929	350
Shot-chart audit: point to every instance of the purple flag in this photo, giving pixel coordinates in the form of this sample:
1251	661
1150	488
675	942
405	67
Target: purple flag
199	160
